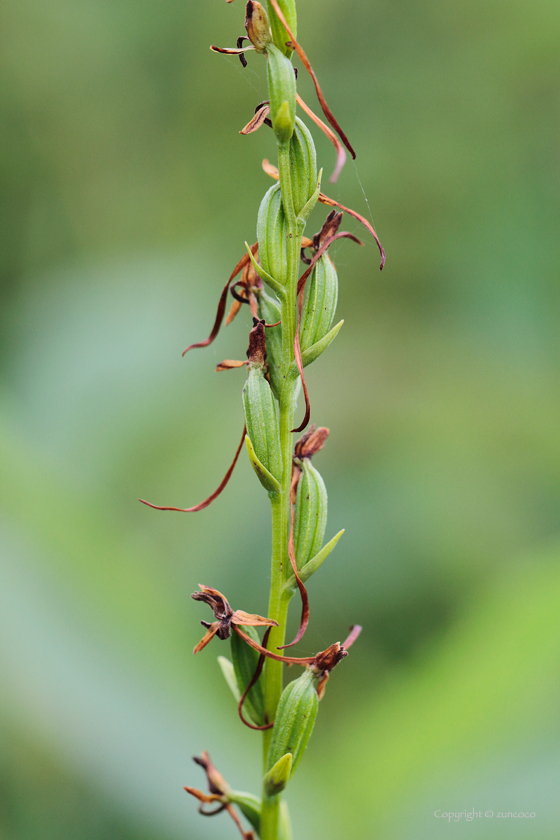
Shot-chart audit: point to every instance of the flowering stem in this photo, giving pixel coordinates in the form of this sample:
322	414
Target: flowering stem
280	503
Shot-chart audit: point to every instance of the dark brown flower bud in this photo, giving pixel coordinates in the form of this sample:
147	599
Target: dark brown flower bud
257	25
257	343
311	442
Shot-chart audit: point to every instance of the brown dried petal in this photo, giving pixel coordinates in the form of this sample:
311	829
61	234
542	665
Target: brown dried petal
311	442
251	620
304	620
270	169
255	123
230	364
340	153
208	636
216	782
217	602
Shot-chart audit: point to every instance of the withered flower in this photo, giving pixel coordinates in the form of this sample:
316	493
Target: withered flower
258	33
219	790
226	618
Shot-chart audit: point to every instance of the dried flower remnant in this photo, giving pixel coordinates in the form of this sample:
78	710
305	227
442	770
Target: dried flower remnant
226	618
220	792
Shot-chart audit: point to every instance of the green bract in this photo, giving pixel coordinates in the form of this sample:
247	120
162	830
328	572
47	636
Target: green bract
288	8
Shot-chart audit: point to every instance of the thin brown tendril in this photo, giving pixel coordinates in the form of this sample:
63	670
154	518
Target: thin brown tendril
340	153
326	110
222	302
300	290
304	621
216	492
330	202
254	679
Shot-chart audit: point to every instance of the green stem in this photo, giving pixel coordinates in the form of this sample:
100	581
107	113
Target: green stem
280	502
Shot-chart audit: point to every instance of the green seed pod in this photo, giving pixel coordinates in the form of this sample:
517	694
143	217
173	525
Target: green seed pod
295	718
245	661
282	93
303	165
270	310
310	517
262	420
319	306
288	8
272	234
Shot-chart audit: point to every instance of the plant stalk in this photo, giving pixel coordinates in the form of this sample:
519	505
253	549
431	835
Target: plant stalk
280	502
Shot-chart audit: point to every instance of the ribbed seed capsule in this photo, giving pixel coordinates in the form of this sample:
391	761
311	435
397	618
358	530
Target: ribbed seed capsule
282	93
279	33
310	516
245	661
270	310
262	420
319	305
303	165
272	234
295	718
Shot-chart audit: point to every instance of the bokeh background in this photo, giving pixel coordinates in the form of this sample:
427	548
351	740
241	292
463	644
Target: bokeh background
127	193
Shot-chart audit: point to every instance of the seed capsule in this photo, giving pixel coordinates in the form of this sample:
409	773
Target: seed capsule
271	312
260	408
303	165
310	518
245	661
319	306
282	93
272	234
295	718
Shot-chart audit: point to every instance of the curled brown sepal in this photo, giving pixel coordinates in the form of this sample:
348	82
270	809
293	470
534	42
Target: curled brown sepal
304	620
254	678
261	116
225	616
327	659
245	259
306	63
330	202
256	353
272	171
340	153
240	51
325	244
213	495
246	290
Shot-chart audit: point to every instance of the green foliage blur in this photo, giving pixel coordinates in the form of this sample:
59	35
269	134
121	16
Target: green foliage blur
127	193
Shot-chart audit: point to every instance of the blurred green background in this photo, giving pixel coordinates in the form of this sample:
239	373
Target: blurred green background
127	193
